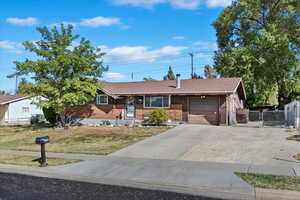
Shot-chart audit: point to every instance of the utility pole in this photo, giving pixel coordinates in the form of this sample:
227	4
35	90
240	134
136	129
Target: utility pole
131	75
192	64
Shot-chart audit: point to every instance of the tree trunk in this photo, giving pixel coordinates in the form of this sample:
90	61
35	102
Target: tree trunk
63	120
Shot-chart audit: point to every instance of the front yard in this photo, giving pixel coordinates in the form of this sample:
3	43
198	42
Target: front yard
87	140
272	181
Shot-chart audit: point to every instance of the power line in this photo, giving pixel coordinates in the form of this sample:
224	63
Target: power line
138	61
163	69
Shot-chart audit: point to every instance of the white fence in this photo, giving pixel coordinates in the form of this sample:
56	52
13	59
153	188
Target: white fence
292	114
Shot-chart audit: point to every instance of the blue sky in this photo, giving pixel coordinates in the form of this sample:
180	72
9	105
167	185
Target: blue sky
142	37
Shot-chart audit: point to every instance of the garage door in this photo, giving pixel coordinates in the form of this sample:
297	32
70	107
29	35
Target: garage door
204	110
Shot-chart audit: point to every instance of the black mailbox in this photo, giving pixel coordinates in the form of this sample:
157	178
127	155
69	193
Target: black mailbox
42	140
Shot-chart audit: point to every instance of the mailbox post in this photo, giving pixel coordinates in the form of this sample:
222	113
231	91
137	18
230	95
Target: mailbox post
42	141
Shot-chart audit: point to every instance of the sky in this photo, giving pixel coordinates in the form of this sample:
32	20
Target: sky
139	37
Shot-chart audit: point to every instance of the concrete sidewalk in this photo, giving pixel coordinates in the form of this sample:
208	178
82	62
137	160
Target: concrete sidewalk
199	178
169	175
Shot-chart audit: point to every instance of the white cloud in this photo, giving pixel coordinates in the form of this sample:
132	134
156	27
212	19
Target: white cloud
178	38
206	45
139	3
100	21
203	55
64	23
218	3
140	53
115	75
11	46
25	22
183	4
5	44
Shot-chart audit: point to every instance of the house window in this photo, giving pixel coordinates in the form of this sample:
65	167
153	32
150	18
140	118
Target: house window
102	99
157	101
25	109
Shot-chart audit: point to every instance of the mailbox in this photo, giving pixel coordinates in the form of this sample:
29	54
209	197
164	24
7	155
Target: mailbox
42	140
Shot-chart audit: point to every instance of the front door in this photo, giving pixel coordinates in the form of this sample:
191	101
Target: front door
130	108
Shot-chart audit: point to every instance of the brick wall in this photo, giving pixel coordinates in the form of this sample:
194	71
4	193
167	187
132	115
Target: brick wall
109	111
184	101
174	112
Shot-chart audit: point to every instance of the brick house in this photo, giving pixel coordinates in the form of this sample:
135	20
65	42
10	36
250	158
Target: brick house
195	101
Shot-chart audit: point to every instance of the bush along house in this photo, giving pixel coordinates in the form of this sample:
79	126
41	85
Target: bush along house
194	101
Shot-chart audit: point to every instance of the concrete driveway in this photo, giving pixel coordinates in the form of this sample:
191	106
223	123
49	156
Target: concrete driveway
245	145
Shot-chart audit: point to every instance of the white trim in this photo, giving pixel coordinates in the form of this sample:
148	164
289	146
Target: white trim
244	91
98	102
144	101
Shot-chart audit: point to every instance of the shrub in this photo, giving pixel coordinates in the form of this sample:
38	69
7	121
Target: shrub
158	116
50	115
36	119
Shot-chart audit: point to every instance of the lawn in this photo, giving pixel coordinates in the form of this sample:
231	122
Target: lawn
87	140
272	181
27	160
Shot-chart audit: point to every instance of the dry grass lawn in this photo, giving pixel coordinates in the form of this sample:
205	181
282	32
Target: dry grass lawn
27	160
272	181
87	140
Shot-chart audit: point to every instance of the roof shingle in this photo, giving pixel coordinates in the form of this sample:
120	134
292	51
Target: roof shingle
188	86
6	98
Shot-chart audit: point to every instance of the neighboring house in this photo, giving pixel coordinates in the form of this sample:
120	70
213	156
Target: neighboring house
196	101
17	109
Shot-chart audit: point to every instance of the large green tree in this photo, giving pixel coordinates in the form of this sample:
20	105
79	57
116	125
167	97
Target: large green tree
64	74
170	75
259	41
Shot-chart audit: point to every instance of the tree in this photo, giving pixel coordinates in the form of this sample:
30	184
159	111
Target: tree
196	76
210	72
259	41
148	79
170	75
64	75
2	92
22	82
50	115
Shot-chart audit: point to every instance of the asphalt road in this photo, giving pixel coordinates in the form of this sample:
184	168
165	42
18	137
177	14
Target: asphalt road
19	187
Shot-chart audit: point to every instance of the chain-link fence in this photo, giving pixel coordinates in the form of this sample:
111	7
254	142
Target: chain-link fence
268	118
255	116
273	118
